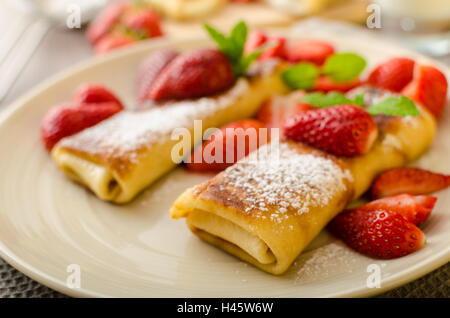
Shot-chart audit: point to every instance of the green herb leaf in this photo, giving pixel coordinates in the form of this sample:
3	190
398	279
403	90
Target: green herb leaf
238	36
394	106
322	100
224	44
344	67
301	76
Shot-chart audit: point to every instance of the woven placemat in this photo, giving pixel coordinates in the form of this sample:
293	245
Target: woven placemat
14	284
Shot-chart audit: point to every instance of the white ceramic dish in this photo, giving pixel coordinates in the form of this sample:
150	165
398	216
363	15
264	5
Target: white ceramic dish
47	222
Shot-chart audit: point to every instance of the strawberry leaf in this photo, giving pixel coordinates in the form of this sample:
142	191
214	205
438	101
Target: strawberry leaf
322	100
301	76
394	106
344	67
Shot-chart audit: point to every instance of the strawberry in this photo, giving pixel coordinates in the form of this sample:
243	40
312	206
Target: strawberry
105	21
150	68
229	138
345	130
112	41
144	22
277	109
193	74
93	93
314	51
393	74
428	88
326	84
257	38
377	233
408	180
416	209
66	120
254	41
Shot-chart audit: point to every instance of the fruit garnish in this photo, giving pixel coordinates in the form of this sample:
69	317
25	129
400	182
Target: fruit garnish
143	21
150	68
259	40
378	233
339	67
393	74
413	181
416	209
93	93
429	88
313	51
326	84
344	130
234	141
112	41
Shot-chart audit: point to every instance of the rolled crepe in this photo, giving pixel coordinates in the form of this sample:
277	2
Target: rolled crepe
266	211
122	155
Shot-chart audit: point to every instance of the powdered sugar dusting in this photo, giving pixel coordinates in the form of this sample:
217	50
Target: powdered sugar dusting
129	131
285	180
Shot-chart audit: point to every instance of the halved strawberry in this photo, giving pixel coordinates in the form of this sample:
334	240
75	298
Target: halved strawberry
377	233
345	130
314	51
416	209
65	120
106	20
277	109
93	93
150	68
393	74
193	74
428	88
144	22
235	140
408	180
257	38
112	41
254	40
326	84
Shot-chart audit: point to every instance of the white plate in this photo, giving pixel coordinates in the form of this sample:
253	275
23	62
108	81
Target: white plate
47	222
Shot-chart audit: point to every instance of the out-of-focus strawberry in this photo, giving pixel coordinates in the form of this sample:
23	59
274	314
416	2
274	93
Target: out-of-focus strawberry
413	181
314	51
144	22
326	84
150	68
106	21
235	140
193	74
345	130
393	74
416	209
254	40
429	88
377	233
93	93
276	45
66	120
112	41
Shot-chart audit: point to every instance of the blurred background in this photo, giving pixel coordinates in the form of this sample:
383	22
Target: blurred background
41	37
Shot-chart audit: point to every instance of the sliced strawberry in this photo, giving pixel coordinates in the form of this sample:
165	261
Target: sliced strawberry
236	140
314	51
112	41
144	22
276	45
393	74
345	130
106	20
254	41
193	74
326	84
65	120
277	109
416	209
377	233
428	88
93	93
414	181
150	68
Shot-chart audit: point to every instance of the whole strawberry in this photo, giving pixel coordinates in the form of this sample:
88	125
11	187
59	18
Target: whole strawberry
144	21
393	74
377	233
93	93
345	130
193	74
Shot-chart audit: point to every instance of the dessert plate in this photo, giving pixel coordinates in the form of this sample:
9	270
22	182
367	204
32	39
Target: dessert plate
52	229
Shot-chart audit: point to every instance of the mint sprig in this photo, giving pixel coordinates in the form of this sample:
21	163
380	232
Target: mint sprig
322	100
233	47
340	67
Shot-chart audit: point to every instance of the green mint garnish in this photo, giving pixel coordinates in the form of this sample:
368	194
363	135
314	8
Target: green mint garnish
394	106
322	100
301	76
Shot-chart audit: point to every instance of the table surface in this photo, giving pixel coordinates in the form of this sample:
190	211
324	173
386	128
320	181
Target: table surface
53	55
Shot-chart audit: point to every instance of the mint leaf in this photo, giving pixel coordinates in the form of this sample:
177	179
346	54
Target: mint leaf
394	106
224	44
344	67
238	36
301	76
322	100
